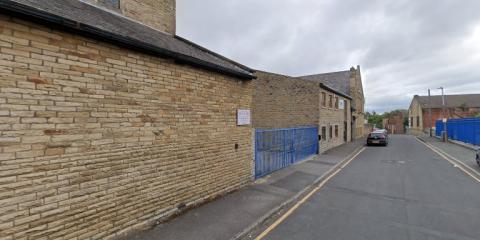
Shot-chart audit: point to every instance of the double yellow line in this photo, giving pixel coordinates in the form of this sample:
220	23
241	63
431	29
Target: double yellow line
304	199
455	162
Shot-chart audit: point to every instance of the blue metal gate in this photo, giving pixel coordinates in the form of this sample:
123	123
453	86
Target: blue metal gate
279	148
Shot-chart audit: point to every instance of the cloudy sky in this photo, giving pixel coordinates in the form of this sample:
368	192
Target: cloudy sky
404	47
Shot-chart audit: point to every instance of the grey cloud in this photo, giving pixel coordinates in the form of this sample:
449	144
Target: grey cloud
404	46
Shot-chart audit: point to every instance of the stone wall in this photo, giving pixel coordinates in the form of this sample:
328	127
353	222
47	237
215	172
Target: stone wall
358	102
282	102
96	140
415	116
333	117
158	14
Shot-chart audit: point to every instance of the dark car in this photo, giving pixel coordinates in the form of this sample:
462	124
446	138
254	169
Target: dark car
478	157
377	138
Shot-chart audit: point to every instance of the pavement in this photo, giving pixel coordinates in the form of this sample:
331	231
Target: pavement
461	152
235	214
403	191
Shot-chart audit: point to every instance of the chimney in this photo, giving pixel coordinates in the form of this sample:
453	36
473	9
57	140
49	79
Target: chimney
157	14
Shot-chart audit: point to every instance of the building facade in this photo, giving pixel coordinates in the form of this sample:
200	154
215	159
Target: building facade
334	118
394	123
348	83
281	101
424	111
100	135
158	14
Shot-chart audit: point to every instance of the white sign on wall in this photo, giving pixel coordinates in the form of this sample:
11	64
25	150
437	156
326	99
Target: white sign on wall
243	117
341	104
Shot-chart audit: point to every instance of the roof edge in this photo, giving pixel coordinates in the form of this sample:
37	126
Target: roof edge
31	13
334	91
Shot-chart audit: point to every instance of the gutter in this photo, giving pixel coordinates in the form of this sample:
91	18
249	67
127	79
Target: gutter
19	10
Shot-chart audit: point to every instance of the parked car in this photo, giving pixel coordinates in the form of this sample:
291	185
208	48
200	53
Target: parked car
379	137
478	157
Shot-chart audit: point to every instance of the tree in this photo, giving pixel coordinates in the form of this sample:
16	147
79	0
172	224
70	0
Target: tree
376	120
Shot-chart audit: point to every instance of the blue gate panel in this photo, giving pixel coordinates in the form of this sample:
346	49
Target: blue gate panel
278	148
465	130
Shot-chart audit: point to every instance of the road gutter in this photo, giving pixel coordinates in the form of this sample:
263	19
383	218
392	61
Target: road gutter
322	179
455	162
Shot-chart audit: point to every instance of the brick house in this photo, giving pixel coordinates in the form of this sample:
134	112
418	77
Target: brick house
394	123
109	122
350	84
456	106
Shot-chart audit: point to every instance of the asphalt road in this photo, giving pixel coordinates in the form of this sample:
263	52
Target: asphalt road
403	191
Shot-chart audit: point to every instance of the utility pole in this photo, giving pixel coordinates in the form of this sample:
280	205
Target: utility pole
430	112
445	136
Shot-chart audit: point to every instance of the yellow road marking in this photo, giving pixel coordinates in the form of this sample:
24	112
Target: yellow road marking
452	160
304	199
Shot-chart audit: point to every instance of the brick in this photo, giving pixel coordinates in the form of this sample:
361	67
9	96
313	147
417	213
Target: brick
114	138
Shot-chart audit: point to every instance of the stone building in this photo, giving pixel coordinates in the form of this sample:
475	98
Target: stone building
348	83
425	111
154	13
281	101
107	124
334	118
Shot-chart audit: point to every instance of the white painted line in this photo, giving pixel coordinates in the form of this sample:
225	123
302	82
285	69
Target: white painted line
455	162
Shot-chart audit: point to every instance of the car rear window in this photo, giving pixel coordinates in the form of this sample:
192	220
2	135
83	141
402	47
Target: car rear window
376	134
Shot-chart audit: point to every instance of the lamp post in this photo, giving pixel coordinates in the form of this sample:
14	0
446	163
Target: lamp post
430	112
444	120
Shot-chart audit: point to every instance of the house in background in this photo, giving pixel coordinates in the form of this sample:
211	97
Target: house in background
348	83
394	122
456	106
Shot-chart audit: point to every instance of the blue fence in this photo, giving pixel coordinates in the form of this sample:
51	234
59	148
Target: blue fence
465	130
279	148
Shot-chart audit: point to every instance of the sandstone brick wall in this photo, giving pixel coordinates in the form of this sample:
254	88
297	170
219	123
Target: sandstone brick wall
281	102
358	102
96	140
331	117
159	14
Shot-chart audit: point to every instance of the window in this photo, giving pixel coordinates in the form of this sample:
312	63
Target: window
336	102
330	101
418	121
324	133
324	99
336	131
331	132
411	122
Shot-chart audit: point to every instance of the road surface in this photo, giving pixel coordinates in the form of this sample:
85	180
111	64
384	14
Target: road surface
403	191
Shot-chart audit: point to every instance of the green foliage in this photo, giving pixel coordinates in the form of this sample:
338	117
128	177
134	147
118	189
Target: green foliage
376	120
478	115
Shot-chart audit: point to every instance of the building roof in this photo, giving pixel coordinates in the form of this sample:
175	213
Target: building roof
339	81
93	21
451	101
